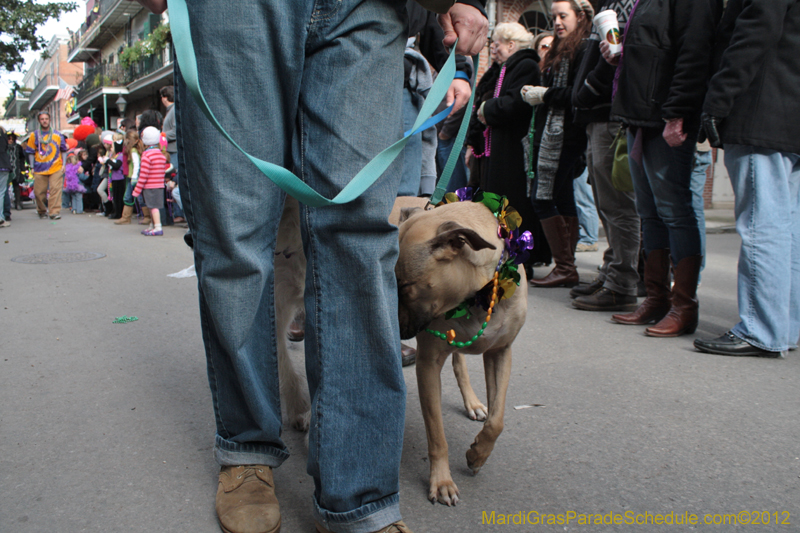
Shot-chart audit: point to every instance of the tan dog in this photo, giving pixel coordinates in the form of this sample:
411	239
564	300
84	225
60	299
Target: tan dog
447	254
290	283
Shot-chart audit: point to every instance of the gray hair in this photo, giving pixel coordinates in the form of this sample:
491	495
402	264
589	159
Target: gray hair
513	31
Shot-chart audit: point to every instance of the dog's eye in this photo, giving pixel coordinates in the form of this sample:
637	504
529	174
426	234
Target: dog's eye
404	285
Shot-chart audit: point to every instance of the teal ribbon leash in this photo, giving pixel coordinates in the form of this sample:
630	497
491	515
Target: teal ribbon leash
286	180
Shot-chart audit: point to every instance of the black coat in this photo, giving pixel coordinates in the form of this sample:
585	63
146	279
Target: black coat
592	90
757	87
5	160
510	118
561	97
666	62
21	162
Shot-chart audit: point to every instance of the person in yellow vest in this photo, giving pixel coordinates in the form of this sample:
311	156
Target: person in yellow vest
46	149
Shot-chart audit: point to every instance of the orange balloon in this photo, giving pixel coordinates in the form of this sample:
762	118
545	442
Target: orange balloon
71	143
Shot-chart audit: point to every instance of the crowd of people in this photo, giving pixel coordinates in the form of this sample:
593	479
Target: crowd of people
111	173
549	109
633	119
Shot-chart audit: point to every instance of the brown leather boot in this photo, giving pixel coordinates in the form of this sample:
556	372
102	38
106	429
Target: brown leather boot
127	212
146	220
246	501
682	316
656	281
574	227
557	229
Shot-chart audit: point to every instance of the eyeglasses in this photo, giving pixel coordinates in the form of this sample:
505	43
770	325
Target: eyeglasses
544	46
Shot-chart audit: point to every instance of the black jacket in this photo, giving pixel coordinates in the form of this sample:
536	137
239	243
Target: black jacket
757	87
591	96
5	160
510	117
666	62
561	97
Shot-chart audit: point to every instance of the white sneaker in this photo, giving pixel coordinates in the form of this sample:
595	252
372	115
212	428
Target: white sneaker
5	224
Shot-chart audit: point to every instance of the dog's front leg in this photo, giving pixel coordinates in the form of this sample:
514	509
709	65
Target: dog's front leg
429	369
497	365
475	409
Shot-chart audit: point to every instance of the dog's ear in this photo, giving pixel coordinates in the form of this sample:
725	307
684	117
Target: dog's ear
451	240
406	213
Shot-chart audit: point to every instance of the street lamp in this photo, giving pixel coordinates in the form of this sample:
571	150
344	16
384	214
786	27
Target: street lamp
121	104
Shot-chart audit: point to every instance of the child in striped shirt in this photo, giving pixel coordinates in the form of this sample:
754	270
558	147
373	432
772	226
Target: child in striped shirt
151	178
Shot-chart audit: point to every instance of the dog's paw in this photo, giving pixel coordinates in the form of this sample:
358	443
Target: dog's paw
445	493
477	412
475	459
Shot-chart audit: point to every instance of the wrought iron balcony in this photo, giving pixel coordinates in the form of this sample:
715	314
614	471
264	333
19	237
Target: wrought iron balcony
103	75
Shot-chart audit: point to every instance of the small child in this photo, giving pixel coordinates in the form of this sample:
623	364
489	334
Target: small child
151	178
73	189
101	178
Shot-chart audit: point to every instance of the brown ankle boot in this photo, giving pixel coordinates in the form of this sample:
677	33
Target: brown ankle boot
656	281
558	230
127	212
146	220
682	316
246	501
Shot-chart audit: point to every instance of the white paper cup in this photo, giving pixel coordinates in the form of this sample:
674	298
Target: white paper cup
608	28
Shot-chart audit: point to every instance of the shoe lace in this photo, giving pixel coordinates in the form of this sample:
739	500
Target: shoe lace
249	470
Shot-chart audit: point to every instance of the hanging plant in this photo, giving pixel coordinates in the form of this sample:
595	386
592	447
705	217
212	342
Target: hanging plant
159	38
153	44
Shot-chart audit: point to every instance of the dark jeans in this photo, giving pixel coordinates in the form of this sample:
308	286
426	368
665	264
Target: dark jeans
662	178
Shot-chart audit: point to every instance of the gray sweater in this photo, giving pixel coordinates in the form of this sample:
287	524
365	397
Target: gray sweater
170	129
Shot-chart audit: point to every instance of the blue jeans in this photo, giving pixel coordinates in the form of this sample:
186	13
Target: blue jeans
589	224
412	153
662	184
460	175
74	199
5	199
766	185
303	93
177	207
702	160
127	199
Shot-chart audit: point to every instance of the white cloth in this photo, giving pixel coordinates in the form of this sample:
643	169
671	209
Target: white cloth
533	95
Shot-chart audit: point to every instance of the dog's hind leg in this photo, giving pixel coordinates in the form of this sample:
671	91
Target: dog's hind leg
294	389
290	269
475	409
497	365
429	368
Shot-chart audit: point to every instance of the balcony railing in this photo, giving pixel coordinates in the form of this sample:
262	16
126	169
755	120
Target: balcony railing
87	30
149	65
113	75
43	90
103	75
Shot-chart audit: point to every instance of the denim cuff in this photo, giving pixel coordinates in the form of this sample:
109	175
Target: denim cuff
738	331
366	519
229	453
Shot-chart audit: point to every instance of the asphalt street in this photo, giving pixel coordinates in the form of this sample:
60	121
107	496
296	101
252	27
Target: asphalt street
108	427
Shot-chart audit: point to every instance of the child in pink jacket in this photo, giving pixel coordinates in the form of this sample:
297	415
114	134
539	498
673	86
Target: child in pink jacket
151	178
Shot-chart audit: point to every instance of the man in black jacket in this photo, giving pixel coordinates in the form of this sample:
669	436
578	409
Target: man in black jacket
752	108
662	78
615	287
